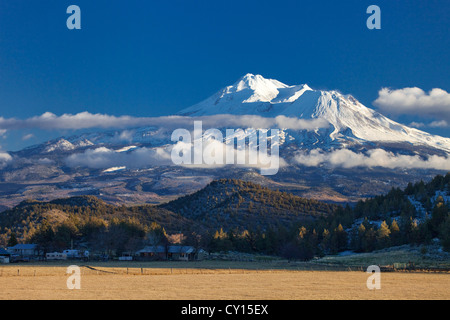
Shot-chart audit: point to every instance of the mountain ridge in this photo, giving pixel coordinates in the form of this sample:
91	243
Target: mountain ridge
255	95
89	163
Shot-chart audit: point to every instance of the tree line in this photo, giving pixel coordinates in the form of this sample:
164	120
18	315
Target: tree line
380	222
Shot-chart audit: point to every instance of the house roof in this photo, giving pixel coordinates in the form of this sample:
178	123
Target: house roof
23	247
3	252
181	249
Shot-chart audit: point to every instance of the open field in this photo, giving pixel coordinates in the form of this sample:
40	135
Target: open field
244	277
421	257
118	283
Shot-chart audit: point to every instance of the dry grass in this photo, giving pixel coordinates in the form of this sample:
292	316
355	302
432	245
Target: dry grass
36	283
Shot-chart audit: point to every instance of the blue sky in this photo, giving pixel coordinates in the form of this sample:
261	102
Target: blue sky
153	58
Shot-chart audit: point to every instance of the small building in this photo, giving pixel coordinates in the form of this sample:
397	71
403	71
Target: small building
180	253
5	256
153	253
24	250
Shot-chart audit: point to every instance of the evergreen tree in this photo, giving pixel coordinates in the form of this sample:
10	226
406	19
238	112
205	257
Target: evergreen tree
438	216
339	239
358	238
326	241
12	240
444	234
369	240
395	233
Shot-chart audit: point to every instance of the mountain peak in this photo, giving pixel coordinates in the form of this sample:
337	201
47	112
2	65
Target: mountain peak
250	94
349	118
257	82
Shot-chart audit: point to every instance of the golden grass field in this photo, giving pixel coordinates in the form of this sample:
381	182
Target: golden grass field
118	283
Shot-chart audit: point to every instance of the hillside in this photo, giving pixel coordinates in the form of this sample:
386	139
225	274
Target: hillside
416	200
226	204
236	215
231	203
84	216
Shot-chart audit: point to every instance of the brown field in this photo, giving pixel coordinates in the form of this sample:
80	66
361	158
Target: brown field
118	283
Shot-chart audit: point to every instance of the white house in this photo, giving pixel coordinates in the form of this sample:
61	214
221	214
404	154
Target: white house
24	250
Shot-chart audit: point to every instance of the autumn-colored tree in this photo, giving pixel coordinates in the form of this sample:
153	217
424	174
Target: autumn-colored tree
383	235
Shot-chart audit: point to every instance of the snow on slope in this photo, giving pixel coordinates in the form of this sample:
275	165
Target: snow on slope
351	121
255	95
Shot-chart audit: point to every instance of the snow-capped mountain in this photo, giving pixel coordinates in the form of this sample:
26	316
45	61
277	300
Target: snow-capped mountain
64	145
349	119
357	153
350	122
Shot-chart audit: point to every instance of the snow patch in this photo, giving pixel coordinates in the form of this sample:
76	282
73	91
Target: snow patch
114	169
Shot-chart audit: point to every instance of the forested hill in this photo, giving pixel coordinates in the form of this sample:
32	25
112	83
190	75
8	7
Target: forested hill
227	204
82	217
417	199
241	216
231	203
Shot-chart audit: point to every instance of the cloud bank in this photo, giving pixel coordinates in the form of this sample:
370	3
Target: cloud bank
102	158
86	120
415	101
213	154
345	158
433	124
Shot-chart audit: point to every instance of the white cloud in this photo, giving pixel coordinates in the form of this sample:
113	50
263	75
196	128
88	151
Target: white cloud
28	137
212	154
345	158
101	158
417	124
5	159
439	124
433	124
86	120
415	101
126	135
